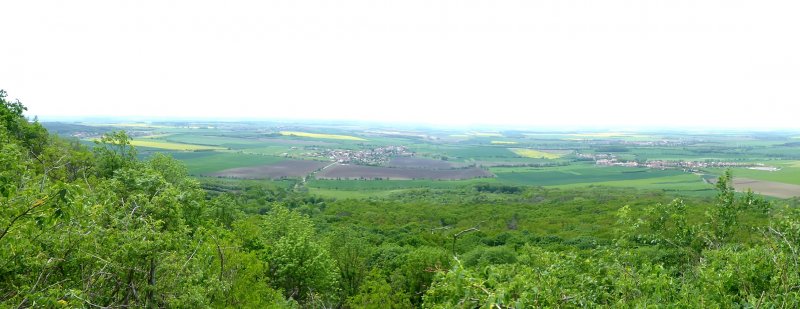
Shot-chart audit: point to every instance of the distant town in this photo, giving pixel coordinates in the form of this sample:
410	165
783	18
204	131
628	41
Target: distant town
375	156
689	166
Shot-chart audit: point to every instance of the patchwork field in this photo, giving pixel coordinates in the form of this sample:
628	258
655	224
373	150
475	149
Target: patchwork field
520	162
536	154
439	158
278	170
685	184
341	171
478	152
213	140
323	136
577	175
293	142
172	146
208	162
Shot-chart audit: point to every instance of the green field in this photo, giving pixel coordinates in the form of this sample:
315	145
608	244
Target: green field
202	163
576	174
472	152
276	150
682	184
172	146
789	172
535	154
561	177
213	140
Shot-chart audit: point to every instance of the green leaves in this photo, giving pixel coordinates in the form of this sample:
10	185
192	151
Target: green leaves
298	263
113	151
375	292
15	127
99	228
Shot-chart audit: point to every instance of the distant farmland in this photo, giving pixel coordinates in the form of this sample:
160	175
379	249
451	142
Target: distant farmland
172	146
776	189
486	134
281	169
414	162
532	153
320	135
202	163
577	174
339	171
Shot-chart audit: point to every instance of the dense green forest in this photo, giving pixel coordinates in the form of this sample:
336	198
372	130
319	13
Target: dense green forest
96	227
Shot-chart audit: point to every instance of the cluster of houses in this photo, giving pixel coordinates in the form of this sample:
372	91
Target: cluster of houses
596	156
84	134
653	143
375	156
689	166
98	134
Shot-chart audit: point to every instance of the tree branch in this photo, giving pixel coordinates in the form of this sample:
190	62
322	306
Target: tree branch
36	204
457	235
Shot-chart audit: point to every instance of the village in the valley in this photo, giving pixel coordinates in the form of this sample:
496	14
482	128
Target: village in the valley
375	156
688	166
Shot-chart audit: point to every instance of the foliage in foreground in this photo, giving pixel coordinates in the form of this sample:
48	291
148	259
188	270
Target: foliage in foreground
95	227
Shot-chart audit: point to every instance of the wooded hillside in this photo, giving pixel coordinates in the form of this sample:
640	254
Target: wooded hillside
95	227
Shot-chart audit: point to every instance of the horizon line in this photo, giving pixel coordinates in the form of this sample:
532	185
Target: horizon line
496	126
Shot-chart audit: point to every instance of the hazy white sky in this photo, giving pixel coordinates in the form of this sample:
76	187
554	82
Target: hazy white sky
726	63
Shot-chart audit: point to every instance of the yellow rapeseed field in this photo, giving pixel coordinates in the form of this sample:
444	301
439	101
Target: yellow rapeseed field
532	153
172	146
